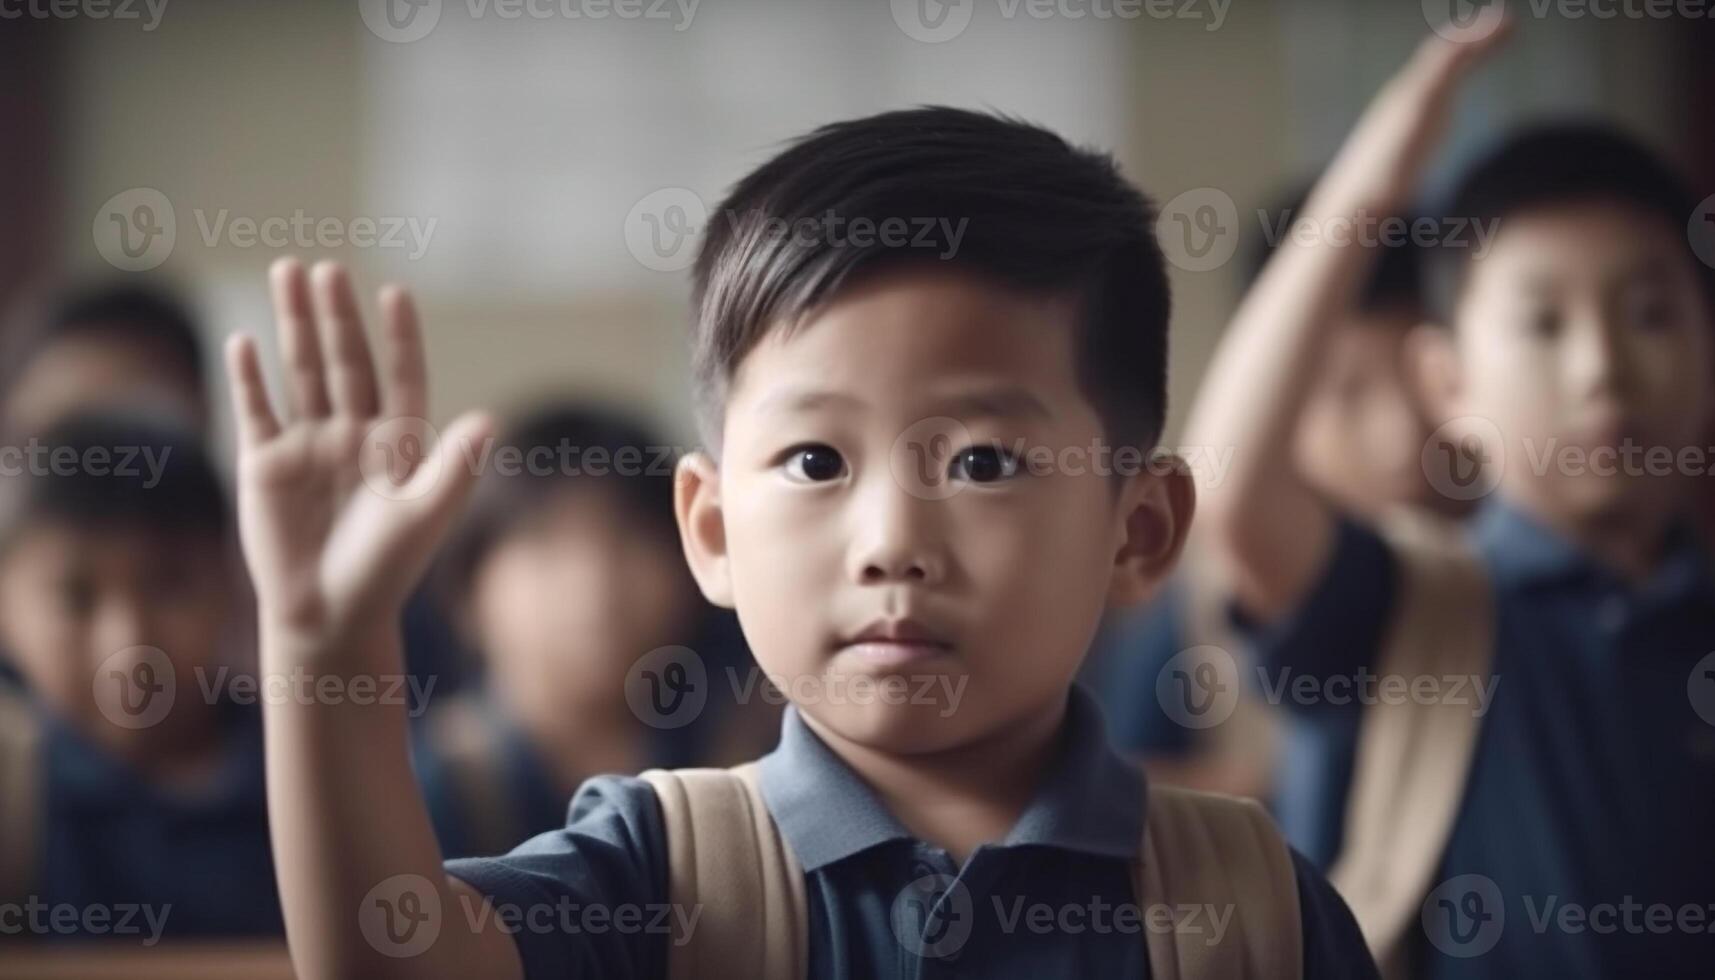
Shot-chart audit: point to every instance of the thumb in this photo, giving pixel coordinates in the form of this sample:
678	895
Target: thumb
441	486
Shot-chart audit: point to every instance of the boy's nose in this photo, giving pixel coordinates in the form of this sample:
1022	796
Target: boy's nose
895	540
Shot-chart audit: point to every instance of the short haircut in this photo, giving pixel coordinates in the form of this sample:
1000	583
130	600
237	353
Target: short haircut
1554	164
1395	283
139	313
1038	215
104	470
558	449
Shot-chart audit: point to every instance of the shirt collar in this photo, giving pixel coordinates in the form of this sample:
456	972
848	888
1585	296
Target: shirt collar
1521	550
85	775
1090	800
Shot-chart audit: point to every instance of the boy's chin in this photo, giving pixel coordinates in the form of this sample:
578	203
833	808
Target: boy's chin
896	729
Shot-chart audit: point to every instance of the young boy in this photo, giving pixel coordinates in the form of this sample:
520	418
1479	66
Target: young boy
128	779
1357	440
113	344
1556	822
899	319
565	570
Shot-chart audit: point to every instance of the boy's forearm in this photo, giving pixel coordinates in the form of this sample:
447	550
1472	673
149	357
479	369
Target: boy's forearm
347	816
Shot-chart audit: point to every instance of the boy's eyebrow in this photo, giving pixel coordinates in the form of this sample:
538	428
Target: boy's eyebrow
1000	401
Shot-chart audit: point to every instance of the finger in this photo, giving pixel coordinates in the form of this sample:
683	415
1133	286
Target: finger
250	407
295	323
444	481
351	371
406	387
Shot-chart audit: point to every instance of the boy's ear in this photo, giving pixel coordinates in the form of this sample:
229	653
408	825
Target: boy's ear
702	525
1155	514
1433	369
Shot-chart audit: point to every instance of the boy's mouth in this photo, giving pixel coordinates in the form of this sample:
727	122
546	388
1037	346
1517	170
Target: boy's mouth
894	642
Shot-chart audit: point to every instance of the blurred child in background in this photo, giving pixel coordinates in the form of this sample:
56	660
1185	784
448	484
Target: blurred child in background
131	777
565	571
1545	792
1357	439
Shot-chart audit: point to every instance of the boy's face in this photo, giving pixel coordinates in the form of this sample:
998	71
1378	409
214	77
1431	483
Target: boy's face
563	604
1583	335
73	598
1362	428
857	487
99	366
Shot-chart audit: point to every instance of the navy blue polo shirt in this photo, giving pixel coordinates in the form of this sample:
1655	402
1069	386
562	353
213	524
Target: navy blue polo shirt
1585	843
199	858
1047	901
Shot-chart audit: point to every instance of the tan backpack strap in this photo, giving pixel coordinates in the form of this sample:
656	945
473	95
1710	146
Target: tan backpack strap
20	798
1413	759
469	748
1218	853
729	866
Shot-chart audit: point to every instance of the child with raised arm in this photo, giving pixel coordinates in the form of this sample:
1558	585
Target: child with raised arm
930	359
1538	802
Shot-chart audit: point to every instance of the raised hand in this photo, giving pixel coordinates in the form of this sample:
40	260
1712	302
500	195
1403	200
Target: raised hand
341	500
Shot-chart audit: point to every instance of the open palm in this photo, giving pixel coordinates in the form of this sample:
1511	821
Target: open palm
341	499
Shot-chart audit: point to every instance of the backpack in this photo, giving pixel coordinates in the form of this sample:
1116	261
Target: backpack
1409	774
727	858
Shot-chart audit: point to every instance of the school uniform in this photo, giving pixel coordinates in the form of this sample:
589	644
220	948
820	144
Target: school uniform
111	838
881	903
1591	789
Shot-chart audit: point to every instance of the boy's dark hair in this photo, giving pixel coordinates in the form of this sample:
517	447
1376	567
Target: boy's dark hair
140	313
94	469
1555	164
1038	214
1396	279
560	448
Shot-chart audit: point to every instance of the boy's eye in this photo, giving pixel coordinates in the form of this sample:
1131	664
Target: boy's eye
1651	310
982	464
814	464
1545	322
